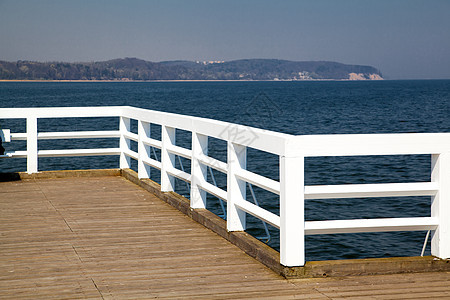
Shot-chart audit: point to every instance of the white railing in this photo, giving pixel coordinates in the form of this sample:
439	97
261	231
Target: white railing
291	150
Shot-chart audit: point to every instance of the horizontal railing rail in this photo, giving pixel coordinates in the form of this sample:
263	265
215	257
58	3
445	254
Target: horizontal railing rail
291	151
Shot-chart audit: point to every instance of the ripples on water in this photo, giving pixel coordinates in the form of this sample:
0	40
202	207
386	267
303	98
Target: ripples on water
289	107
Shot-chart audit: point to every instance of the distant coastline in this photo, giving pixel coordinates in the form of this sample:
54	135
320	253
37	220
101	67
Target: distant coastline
137	70
184	80
137	81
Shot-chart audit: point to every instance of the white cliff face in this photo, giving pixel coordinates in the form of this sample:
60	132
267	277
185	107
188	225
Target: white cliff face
375	77
361	76
356	76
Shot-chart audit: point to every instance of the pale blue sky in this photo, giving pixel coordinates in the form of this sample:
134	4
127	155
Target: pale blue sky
403	38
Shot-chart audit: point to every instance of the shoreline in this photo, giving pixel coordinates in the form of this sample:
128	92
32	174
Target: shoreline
205	80
192	80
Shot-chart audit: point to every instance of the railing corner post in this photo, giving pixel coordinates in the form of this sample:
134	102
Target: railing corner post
440	205
292	220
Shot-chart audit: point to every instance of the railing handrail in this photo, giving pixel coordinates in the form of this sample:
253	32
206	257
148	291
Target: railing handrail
61	112
371	144
274	142
291	150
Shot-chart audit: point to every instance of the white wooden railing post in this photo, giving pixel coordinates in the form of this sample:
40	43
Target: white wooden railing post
167	159
198	170
440	205
292	220
32	145
124	127
143	150
237	189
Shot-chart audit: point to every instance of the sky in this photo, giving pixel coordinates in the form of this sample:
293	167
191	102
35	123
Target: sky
405	39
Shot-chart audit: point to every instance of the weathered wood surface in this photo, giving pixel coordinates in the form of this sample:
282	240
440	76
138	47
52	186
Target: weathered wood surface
106	238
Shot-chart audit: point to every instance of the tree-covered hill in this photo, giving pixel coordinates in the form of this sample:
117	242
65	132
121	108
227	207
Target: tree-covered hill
137	69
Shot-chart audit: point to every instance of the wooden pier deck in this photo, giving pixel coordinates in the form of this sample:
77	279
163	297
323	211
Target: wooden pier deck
107	238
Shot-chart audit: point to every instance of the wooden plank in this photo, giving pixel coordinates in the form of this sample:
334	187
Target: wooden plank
104	237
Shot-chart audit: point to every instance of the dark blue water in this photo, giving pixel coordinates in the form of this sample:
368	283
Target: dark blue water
289	107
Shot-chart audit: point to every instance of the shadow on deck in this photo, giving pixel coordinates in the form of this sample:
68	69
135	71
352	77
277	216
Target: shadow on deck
96	235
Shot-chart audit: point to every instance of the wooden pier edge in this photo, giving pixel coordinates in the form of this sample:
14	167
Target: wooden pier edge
60	174
252	246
